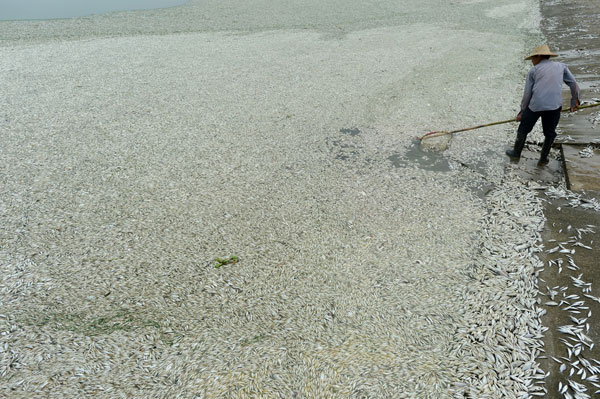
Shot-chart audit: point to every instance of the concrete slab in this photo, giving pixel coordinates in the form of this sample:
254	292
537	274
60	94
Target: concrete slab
572	140
582	174
579	127
528	169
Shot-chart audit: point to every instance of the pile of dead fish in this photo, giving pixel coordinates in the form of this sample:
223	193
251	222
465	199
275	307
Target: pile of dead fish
501	346
587	152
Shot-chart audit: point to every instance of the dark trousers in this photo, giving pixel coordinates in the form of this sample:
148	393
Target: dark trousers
549	122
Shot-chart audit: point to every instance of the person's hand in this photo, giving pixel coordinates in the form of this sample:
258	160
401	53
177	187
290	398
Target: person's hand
518	118
576	107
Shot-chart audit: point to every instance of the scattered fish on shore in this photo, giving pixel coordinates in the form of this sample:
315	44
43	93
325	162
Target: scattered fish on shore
587	152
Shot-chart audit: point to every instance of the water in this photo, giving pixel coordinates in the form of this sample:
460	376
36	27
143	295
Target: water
53	9
428	160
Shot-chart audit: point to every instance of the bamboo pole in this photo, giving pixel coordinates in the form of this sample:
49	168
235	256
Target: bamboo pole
444	132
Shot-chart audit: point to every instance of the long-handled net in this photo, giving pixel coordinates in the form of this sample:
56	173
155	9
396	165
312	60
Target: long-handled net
444	132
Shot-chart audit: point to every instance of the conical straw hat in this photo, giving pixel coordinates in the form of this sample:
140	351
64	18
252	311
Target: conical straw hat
541	50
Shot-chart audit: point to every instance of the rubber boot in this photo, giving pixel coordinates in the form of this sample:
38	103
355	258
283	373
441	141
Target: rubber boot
519	144
545	152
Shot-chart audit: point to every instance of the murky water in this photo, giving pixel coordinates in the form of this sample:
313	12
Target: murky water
423	159
53	9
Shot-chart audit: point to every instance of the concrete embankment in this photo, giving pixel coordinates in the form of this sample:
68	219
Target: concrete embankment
572	28
572	219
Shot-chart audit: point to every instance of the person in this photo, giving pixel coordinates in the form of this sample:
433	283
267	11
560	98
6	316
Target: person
542	98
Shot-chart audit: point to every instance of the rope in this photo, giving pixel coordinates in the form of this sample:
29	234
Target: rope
444	132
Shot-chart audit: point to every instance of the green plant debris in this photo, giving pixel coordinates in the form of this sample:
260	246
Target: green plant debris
92	326
226	261
257	338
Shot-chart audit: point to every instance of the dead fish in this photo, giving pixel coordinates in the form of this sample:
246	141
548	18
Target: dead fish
562	368
578	244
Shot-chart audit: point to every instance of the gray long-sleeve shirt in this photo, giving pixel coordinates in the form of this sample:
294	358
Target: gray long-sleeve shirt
543	87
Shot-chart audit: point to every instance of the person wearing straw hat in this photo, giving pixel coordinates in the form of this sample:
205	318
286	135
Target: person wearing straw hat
542	98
